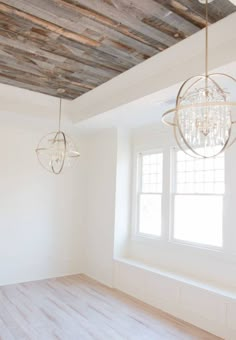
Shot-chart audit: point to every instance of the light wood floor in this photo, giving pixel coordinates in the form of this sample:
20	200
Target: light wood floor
78	308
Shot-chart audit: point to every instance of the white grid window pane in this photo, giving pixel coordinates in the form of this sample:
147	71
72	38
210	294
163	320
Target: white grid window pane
149	194
151	173
198	202
198	219
150	214
200	176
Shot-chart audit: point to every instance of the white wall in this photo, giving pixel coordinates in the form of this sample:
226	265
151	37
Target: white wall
190	284
53	225
40	213
100	181
123	194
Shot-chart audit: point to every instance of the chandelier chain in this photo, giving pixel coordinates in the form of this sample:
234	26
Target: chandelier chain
206	42
59	123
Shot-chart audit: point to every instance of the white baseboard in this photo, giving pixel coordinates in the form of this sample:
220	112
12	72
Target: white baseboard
17	271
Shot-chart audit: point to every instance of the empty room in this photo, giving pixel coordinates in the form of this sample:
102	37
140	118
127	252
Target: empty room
118	169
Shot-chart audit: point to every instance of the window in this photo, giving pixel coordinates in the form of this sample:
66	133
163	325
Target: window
198	199
187	205
149	193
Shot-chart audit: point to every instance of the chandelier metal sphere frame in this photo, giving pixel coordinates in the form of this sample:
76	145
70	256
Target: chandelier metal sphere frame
56	150
203	117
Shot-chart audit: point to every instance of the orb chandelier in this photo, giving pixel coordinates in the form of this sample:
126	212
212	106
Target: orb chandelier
56	150
203	117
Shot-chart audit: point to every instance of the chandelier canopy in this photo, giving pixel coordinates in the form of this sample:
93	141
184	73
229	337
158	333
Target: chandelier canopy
56	150
203	117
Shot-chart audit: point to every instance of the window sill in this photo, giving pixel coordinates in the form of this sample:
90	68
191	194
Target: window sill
146	237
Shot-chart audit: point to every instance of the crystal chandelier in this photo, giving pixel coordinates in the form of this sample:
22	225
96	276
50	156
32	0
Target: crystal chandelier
202	119
56	150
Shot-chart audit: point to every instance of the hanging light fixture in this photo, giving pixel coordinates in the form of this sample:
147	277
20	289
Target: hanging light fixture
56	150
202	119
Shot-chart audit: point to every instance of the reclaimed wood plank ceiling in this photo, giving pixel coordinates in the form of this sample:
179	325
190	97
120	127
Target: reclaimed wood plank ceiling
76	45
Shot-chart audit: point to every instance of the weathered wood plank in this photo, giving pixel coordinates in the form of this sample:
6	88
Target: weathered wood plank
107	52
147	8
19	54
51	43
183	11
57	53
49	26
42	82
218	9
108	25
79	44
45	8
116	33
58	73
94	21
164	27
8	80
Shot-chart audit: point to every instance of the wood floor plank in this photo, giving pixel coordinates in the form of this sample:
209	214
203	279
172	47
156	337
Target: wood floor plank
76	307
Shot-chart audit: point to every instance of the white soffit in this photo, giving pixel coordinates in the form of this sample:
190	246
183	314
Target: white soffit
166	69
144	111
